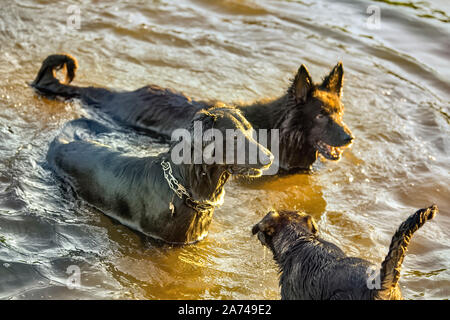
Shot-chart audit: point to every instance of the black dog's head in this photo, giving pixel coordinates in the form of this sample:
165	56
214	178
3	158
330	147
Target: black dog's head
316	111
229	141
296	224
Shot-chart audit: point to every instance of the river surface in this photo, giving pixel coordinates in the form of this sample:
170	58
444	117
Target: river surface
396	95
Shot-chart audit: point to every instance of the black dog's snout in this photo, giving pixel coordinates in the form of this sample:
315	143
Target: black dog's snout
346	136
349	138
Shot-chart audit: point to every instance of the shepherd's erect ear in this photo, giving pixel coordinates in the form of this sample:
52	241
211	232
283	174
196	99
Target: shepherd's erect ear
302	84
335	80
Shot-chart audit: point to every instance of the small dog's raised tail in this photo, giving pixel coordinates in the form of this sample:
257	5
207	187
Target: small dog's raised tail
46	81
391	266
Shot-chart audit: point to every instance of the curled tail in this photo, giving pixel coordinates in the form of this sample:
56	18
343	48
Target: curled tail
391	266
47	84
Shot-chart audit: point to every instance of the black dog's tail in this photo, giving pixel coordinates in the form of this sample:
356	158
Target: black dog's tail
391	266
47	84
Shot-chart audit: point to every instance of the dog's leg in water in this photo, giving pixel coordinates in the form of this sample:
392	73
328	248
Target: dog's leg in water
391	266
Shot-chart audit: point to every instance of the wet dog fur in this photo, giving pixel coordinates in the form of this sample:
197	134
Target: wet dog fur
308	116
314	269
134	190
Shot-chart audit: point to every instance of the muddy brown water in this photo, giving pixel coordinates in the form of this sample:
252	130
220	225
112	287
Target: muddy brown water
396	94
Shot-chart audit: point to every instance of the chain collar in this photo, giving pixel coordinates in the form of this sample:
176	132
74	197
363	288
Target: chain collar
172	181
180	190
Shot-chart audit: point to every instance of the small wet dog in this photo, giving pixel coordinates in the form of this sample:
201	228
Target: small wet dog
163	199
314	269
308	116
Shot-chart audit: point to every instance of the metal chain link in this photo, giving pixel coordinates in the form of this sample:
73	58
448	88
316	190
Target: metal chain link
173	182
180	190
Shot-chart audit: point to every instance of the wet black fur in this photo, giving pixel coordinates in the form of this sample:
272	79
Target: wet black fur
160	110
133	190
314	269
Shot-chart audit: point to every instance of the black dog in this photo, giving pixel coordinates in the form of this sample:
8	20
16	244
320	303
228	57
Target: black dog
162	199
308	116
314	269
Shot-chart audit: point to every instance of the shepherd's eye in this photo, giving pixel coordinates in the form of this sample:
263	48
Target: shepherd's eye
320	116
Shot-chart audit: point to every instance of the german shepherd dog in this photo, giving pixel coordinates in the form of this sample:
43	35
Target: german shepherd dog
165	200
308	116
314	269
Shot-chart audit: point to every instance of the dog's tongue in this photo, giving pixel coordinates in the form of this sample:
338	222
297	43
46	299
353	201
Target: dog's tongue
331	152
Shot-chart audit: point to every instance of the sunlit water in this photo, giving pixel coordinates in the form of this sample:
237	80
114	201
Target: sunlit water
396	93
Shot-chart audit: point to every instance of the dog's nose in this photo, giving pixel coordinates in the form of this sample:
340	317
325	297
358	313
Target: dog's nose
255	229
349	138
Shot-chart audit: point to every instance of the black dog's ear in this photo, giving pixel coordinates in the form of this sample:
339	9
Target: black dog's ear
335	80
302	84
311	224
207	121
206	118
